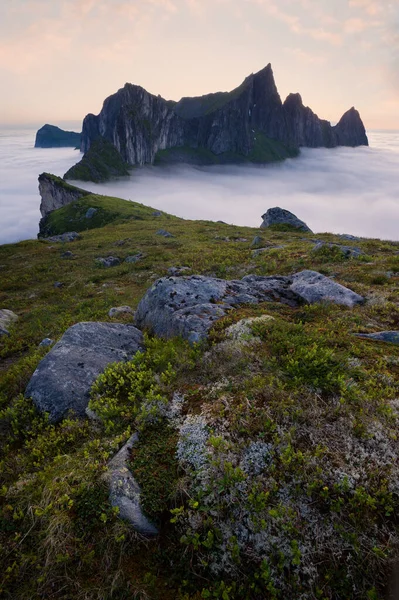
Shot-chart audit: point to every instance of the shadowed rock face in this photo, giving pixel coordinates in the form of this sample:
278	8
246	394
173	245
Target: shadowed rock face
247	122
350	130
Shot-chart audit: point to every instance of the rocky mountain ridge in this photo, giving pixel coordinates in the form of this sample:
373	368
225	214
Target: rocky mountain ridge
248	123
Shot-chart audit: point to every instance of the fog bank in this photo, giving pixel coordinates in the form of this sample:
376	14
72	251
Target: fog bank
343	190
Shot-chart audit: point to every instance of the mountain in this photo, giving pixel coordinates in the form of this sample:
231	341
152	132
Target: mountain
50	136
250	123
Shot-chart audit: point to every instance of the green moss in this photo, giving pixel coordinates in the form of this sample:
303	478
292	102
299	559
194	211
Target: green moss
157	447
265	150
101	163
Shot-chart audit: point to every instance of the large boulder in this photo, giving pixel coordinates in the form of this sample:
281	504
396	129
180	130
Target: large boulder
315	287
188	306
63	379
280	216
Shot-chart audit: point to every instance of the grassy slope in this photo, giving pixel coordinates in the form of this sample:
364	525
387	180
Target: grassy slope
265	150
101	163
58	536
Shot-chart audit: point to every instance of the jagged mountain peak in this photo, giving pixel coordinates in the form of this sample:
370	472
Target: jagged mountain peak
248	123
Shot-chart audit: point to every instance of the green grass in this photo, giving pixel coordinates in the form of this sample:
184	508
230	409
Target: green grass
265	150
308	387
100	163
109	210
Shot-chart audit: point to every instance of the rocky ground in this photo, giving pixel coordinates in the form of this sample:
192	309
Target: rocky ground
254	456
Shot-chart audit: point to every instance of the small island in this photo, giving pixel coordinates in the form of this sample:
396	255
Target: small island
50	136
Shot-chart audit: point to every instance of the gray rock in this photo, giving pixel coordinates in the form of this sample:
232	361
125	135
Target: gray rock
347	251
257	241
7	318
188	306
124	491
120	310
91	212
280	216
109	261
63	379
134	258
222	222
177	271
46	342
69	236
392	337
157	213
314	287
164	233
67	254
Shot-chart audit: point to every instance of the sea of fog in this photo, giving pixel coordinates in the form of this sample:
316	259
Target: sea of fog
343	190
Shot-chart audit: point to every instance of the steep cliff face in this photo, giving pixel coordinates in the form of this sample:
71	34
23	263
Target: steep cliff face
55	193
225	123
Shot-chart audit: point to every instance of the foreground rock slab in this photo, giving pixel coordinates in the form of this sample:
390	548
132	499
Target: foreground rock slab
188	306
63	379
124	491
281	216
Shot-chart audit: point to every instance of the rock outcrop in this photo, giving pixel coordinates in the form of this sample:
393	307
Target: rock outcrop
188	306
281	217
390	337
248	124
62	381
55	193
50	136
101	163
124	491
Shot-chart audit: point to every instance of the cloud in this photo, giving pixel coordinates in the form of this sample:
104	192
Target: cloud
302	56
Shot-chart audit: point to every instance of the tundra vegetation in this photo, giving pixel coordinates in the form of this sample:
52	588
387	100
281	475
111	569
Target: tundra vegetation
268	460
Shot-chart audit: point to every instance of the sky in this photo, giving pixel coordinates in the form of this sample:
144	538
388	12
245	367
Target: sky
59	59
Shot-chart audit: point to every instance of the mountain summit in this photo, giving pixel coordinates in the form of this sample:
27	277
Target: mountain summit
250	123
